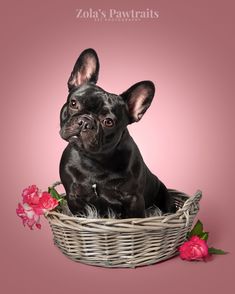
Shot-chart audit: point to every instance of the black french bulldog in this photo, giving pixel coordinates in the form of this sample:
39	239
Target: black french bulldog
102	166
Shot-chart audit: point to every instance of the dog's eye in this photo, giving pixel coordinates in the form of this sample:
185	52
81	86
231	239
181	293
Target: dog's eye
73	103
108	122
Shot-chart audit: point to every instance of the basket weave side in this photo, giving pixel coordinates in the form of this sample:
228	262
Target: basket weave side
125	242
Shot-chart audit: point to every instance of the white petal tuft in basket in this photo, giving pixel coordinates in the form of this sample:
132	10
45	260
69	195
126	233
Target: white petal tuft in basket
125	242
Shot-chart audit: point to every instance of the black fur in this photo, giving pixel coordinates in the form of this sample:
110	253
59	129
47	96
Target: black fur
102	166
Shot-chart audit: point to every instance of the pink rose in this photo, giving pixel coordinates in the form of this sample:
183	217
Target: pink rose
194	249
46	202
39	201
28	216
30	190
35	203
31	195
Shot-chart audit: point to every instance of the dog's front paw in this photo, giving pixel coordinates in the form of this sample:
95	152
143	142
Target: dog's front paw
75	202
134	206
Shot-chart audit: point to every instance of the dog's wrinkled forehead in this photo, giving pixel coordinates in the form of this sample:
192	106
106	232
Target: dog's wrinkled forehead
94	99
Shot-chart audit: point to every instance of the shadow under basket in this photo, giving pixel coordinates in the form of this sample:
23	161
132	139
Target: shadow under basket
129	242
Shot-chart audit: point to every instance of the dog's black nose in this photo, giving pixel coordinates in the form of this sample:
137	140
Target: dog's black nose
86	123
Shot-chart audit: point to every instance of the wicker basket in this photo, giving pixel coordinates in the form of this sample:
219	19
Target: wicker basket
125	242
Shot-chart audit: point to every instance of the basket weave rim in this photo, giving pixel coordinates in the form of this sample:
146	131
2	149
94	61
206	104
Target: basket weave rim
184	211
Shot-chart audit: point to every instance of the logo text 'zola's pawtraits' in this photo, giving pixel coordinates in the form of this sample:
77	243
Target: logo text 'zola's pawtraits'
116	14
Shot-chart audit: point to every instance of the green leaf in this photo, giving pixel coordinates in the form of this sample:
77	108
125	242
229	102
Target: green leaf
57	196
197	229
213	250
54	193
204	236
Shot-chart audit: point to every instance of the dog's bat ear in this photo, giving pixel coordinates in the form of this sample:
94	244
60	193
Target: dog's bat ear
86	69
138	99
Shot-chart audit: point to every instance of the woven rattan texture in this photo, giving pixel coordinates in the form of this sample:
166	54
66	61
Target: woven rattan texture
125	242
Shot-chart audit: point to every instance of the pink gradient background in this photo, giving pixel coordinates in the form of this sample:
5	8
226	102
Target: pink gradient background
186	137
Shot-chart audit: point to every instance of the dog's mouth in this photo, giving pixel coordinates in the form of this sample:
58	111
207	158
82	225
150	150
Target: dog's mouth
67	133
72	138
89	140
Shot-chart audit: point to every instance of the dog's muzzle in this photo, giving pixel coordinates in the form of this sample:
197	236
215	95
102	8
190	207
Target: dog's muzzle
86	123
82	126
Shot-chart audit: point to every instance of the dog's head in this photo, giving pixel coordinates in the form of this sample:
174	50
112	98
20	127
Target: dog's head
94	119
